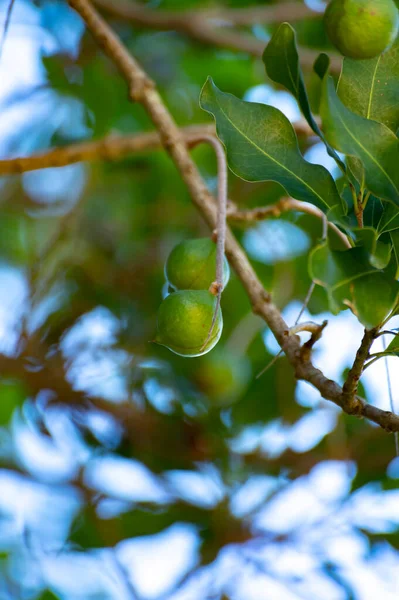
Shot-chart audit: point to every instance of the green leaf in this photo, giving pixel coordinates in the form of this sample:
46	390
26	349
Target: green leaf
262	146
282	66
381	255
351	281
393	347
371	142
374	212
379	252
370	88
389	220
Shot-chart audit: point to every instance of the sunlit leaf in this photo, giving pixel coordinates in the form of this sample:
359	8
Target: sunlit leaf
372	143
370	88
262	146
282	65
351	281
380	253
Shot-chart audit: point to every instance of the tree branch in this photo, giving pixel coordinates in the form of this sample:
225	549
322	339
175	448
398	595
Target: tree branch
142	89
113	147
352	381
206	26
276	210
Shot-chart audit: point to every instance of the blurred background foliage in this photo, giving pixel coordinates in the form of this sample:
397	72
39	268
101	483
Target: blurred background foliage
127	472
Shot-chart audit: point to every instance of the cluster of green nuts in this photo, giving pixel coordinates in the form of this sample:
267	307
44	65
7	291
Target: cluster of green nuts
185	315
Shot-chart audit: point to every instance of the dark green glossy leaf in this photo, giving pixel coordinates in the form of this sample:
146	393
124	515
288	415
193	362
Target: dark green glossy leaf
370	88
262	146
379	252
389	220
282	65
351	281
372	143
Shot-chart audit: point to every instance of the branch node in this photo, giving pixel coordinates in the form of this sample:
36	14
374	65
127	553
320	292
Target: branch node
307	347
258	307
139	88
215	288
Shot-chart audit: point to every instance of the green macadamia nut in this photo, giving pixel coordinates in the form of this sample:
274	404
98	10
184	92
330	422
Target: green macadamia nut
192	265
184	321
362	28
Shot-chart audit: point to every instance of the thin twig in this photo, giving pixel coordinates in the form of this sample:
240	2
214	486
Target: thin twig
388	332
285	205
378	355
372	361
270	364
142	89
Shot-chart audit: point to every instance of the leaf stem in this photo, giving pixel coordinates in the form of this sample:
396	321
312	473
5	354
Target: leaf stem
388	332
354	196
377	354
